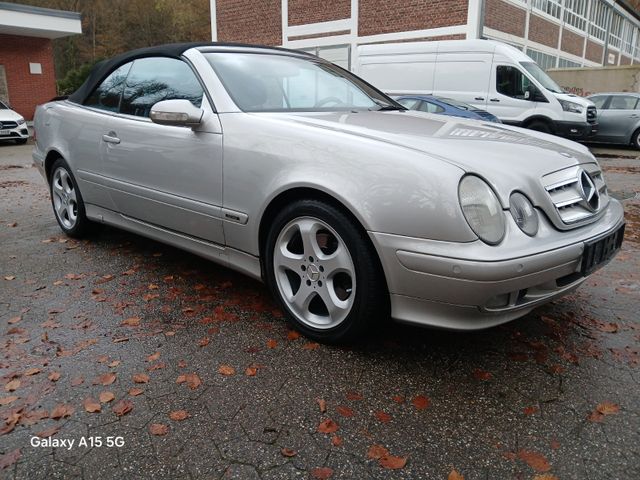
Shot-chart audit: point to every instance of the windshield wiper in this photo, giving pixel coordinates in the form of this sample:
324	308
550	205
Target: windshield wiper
388	107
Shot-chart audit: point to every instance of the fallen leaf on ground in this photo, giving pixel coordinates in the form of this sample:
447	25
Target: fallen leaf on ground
327	426
54	376
322	473
545	476
8	400
226	370
91	405
12	386
398	398
61	411
421	402
287	452
158	429
10	458
344	411
141	378
131	322
311	346
32	371
376	452
10	277
153	357
608	408
123	407
191	379
482	374
14	320
134	392
179	415
535	460
49	432
322	404
391	462
106	397
251	371
530	410
336	441
77	381
382	416
293	335
454	475
106	379
354	396
271	343
204	342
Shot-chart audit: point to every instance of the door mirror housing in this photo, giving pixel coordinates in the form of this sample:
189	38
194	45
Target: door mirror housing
178	113
534	95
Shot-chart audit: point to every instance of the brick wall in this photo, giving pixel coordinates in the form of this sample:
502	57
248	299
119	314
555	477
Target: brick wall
594	51
543	31
505	17
312	11
377	16
572	42
247	21
624	60
25	89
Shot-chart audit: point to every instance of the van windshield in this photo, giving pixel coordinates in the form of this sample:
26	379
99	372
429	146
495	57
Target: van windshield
540	75
3	106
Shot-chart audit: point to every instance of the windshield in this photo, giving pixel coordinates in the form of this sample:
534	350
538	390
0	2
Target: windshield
259	82
540	75
3	106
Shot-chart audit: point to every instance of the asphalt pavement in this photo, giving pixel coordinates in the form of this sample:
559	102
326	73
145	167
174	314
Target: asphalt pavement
125	358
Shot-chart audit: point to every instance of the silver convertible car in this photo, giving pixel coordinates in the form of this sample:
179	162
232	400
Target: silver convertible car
350	207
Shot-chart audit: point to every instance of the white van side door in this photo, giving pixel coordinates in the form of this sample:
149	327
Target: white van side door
508	97
464	77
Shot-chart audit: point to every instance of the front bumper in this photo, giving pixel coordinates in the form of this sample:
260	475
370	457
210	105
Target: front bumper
575	130
20	132
470	286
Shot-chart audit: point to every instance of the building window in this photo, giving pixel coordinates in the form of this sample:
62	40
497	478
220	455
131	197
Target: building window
544	60
615	37
627	37
551	7
564	63
575	13
598	18
338	54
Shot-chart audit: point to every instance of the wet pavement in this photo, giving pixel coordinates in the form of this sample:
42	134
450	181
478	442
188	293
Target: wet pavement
158	364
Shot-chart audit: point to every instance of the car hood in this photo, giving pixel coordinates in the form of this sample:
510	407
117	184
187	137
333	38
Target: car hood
585	102
509	158
9	115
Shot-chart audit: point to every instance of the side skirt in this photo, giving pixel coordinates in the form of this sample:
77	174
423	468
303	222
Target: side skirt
229	257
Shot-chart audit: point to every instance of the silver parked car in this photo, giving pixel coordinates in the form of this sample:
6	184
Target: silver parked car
350	207
619	118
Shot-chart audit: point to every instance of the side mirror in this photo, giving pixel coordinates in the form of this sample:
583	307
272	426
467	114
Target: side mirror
178	113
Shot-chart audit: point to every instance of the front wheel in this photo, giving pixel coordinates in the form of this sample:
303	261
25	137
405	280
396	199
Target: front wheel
635	139
539	126
67	202
324	272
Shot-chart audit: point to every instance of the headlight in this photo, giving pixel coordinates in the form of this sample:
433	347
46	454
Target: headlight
481	209
523	213
20	121
568	106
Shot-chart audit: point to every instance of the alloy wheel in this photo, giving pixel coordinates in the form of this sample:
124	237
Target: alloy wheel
65	201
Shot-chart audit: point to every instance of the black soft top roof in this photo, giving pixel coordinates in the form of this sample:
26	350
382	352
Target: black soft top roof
172	50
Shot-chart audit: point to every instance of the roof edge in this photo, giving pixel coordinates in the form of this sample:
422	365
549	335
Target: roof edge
50	12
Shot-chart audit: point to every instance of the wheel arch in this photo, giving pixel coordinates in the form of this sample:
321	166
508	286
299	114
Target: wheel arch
539	118
49	160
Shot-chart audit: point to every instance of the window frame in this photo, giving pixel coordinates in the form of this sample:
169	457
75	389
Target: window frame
635	105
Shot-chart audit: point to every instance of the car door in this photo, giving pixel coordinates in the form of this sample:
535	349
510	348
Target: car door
618	118
166	176
507	97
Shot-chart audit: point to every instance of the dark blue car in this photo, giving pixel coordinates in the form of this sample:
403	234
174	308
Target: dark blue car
445	106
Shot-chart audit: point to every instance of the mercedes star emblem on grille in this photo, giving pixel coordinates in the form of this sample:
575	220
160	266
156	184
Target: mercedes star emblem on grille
588	191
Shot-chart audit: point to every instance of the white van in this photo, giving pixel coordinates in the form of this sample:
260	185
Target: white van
489	75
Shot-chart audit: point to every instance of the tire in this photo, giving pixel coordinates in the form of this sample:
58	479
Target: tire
21	141
66	200
324	273
635	139
539	126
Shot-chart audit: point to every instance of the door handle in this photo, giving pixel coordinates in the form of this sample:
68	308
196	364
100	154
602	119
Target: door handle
494	99
111	138
479	98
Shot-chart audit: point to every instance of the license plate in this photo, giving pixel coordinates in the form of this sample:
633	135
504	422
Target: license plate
5	132
600	251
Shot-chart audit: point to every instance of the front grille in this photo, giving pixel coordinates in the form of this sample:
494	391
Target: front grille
592	115
6	125
570	194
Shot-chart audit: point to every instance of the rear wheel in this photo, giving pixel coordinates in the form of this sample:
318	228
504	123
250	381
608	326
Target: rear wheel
539	126
324	272
67	202
635	139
